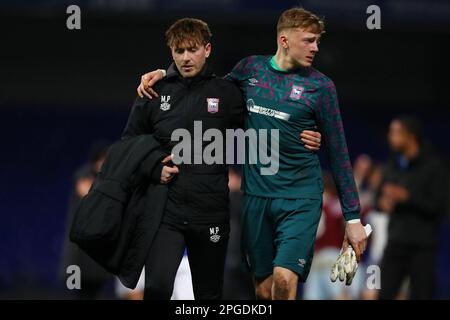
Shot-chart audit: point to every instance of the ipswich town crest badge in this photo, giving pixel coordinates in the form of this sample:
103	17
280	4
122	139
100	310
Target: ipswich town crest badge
296	92
213	105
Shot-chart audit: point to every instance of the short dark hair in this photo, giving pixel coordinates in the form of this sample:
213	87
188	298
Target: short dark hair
412	124
188	30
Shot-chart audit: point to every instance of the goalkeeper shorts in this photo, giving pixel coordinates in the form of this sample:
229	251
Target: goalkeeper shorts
279	232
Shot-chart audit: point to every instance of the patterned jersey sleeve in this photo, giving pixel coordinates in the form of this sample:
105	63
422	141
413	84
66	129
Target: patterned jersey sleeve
330	123
240	71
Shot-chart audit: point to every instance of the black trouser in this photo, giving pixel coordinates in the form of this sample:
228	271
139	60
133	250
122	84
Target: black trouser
206	245
400	261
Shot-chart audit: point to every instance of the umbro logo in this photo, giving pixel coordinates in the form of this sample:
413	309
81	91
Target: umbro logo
301	263
252	81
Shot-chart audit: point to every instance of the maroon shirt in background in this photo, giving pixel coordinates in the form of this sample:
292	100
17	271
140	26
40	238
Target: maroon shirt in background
332	223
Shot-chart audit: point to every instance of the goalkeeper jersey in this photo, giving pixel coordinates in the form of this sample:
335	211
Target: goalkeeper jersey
293	101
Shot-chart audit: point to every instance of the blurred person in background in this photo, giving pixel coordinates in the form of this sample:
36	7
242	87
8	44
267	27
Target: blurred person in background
379	221
413	191
125	293
362	170
238	283
93	276
327	248
182	287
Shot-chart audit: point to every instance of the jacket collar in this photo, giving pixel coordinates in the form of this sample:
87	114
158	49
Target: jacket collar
205	73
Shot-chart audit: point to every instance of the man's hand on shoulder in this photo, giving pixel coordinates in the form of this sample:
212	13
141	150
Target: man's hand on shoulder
148	80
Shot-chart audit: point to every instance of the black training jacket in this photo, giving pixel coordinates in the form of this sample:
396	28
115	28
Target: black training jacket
200	191
115	223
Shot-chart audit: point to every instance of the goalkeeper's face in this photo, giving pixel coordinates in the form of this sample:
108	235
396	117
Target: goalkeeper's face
190	57
302	46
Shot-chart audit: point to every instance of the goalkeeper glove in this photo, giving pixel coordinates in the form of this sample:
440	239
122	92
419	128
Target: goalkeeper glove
346	264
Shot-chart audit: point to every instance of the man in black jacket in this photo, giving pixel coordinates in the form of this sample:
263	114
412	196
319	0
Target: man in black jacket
413	191
196	214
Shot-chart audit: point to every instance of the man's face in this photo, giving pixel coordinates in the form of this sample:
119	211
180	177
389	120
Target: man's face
190	58
301	46
398	136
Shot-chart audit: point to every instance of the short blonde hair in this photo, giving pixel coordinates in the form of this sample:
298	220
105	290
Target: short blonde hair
188	30
300	18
